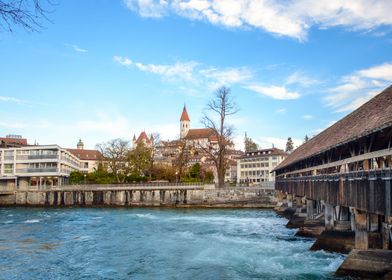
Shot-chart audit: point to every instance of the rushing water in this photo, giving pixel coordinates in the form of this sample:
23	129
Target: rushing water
155	244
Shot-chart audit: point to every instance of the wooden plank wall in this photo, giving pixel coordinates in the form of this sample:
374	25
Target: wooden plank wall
367	191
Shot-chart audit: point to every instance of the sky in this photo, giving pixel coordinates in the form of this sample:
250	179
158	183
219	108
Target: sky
105	69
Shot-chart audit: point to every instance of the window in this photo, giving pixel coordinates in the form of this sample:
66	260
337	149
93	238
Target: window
8	168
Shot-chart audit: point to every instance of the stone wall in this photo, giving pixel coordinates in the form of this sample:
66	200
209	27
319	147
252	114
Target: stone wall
181	197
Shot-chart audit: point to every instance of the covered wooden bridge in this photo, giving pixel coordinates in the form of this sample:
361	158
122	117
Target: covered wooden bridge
346	173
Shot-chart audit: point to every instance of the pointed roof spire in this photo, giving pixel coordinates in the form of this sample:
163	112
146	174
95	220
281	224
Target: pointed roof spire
184	115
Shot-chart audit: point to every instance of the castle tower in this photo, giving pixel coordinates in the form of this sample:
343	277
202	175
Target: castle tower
185	123
80	145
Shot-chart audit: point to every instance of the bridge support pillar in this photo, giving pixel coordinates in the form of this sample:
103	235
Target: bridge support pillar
310	209
329	216
361	231
342	219
386	236
289	200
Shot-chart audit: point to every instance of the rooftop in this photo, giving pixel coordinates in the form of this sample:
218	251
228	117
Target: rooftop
184	115
265	152
372	116
86	154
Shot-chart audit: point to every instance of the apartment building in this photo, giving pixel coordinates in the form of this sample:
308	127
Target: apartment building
256	166
36	166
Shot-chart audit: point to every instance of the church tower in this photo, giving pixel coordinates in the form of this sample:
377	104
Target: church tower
184	123
80	145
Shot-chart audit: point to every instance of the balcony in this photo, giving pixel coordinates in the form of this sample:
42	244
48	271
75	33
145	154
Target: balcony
37	170
8	158
35	157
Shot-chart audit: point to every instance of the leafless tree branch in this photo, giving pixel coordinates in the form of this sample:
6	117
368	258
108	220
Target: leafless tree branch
28	14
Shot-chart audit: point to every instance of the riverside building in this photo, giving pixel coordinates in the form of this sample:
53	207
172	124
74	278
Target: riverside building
36	166
256	166
89	159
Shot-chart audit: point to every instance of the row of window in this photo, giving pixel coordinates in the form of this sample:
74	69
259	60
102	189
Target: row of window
255	165
258	180
254	173
261	158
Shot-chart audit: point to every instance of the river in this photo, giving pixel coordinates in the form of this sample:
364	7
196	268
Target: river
142	243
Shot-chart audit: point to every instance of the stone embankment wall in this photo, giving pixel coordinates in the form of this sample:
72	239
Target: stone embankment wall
189	196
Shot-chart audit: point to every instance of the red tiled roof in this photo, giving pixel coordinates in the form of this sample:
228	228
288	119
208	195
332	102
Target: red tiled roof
143	136
184	115
200	133
14	141
86	154
370	117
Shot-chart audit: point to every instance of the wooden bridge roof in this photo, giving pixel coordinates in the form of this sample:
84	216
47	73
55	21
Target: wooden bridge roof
370	117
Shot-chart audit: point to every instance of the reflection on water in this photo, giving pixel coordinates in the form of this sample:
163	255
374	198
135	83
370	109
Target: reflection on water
155	244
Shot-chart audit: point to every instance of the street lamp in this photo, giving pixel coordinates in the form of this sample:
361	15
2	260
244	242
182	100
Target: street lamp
85	177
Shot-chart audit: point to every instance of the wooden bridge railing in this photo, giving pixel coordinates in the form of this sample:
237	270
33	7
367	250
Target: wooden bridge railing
368	191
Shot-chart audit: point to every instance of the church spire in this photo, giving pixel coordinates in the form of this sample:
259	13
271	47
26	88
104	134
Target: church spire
184	115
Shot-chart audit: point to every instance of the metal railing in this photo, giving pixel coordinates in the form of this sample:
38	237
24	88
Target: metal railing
35	170
33	157
385	174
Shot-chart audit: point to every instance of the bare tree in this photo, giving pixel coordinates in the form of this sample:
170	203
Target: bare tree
222	106
25	13
116	157
181	160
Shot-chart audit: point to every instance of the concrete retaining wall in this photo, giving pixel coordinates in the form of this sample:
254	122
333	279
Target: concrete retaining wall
183	197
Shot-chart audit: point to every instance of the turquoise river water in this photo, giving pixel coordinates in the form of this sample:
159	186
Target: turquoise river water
160	243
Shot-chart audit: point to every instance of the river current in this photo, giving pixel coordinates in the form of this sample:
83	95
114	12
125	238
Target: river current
102	243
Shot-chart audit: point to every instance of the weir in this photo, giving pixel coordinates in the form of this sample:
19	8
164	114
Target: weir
142	195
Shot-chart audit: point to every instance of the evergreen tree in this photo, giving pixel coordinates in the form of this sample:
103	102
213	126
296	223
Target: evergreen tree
289	145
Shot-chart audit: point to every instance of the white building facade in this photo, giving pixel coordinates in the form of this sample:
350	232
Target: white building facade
255	166
36	166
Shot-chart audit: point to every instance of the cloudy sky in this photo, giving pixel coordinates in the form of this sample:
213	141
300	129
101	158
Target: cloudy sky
103	69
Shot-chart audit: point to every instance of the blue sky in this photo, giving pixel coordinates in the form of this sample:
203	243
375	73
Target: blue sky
105	69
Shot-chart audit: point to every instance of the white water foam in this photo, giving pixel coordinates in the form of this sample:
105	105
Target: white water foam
33	221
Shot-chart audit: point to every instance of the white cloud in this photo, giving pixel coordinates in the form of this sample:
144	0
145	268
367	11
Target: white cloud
122	60
203	77
276	92
300	79
268	142
359	87
13	100
192	71
148	8
292	18
308	117
76	48
179	70
227	76
380	72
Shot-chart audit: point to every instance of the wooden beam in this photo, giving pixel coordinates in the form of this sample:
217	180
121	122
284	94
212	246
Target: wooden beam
354	159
